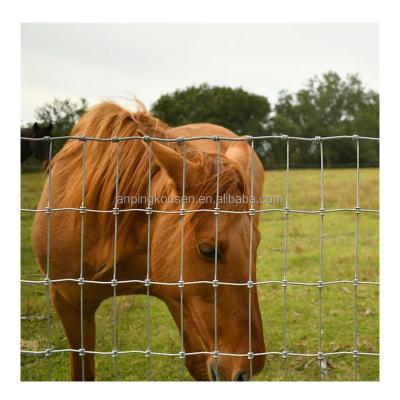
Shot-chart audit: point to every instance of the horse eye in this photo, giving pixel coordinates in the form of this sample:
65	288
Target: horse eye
207	250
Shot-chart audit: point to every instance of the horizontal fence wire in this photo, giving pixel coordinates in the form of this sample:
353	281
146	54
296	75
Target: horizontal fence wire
282	210
214	138
116	282
320	355
284	354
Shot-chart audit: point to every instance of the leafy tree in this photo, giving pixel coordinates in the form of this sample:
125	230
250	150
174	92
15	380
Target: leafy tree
327	106
62	114
242	112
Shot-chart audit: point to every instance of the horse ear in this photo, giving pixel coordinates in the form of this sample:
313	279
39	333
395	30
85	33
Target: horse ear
240	152
172	162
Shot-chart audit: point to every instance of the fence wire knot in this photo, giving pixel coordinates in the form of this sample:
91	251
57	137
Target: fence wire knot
147	138
82	138
116	210
48	210
252	211
114	282
48	352
181	284
147	353
46	281
216	354
355	353
250	355
355	137
115	353
82	210
217	211
81	352
215	283
147	282
250	139
215	138
182	354
149	210
284	354
81	281
284	282
355	282
286	210
317	139
250	284
284	137
115	139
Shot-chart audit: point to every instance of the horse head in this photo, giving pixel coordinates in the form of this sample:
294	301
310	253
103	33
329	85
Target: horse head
221	315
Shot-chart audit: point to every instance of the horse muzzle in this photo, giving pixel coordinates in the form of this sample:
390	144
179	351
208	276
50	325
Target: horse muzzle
223	370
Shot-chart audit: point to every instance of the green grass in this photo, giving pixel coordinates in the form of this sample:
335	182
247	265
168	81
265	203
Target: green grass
302	302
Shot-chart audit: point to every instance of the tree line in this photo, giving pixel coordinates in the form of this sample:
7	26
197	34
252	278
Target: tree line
326	106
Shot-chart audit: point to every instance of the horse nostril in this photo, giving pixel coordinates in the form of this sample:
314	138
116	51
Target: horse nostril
242	375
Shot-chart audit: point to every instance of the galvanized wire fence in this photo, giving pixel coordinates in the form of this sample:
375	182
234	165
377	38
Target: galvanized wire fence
285	352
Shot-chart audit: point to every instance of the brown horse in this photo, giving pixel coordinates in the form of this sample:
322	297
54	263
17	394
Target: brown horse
233	247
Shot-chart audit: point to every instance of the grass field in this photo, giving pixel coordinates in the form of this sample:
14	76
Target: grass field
302	302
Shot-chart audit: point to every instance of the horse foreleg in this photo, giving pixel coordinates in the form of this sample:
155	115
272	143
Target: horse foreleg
82	365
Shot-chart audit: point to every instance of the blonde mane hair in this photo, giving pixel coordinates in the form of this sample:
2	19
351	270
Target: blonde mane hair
107	120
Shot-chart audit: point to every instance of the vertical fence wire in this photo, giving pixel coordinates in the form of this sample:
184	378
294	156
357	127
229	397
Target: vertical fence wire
321	359
81	274
115	254
355	282
148	254
47	278
181	266
215	282
250	282
285	263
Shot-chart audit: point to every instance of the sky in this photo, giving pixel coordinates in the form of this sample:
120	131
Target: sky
122	61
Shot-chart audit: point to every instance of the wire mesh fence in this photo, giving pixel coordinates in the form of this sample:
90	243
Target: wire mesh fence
285	352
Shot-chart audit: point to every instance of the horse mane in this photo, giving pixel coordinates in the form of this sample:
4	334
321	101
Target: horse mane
107	120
